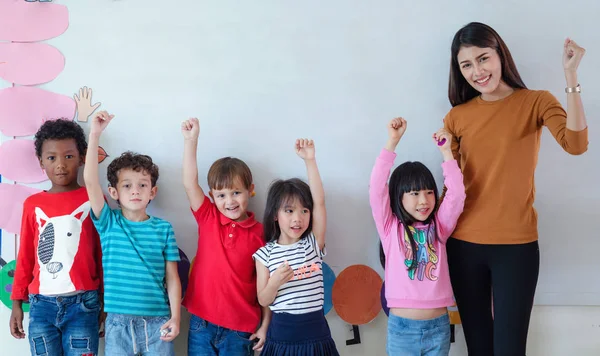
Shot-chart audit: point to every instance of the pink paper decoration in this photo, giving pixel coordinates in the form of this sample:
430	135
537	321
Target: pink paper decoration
24	109
18	162
11	205
29	22
30	63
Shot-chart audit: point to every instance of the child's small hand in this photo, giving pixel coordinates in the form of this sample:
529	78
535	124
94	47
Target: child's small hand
396	129
282	274
16	323
101	320
190	129
443	139
100	122
261	335
305	148
171	328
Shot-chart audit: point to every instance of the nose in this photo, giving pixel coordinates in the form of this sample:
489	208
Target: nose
478	69
296	217
422	198
60	162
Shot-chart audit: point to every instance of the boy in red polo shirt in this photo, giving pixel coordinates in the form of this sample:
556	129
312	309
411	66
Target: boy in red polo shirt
221	295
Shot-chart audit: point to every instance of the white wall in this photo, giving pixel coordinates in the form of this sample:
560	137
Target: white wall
263	73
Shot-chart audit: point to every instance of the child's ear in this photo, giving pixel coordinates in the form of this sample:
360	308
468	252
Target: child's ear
113	193
153	192
211	194
252	192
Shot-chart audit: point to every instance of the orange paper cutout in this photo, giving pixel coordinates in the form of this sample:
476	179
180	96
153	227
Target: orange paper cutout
356	294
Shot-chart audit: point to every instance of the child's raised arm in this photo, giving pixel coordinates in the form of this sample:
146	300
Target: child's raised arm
190	129
306	150
452	205
90	171
379	196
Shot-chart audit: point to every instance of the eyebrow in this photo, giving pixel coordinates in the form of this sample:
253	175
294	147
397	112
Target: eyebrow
479	56
65	152
143	180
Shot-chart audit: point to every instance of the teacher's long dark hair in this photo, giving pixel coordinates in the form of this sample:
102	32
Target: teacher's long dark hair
482	36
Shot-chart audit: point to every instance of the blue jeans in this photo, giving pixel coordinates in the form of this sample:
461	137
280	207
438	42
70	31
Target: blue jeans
207	339
64	325
406	337
132	335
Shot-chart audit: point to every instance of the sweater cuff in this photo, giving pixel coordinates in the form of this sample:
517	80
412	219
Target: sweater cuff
577	140
387	155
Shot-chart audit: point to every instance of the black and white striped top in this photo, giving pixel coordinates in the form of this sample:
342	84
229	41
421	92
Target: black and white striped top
304	293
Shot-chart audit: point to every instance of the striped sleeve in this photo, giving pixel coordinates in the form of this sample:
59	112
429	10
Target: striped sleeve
171	252
262	255
104	221
313	243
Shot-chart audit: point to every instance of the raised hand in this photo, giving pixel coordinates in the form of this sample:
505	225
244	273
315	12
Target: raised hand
443	139
305	148
572	54
396	128
100	121
190	129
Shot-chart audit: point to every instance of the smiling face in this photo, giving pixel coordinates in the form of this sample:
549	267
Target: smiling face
482	69
233	201
419	204
61	161
293	219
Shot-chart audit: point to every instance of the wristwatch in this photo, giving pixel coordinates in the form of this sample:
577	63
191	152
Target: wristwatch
576	89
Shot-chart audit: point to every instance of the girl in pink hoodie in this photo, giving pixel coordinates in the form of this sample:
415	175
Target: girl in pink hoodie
413	229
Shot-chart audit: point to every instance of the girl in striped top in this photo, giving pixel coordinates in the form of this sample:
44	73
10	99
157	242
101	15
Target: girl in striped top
289	274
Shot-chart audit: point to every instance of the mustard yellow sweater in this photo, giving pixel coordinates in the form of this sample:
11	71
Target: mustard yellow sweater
496	144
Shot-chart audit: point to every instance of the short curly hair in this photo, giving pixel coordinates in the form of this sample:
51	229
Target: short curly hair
134	161
60	129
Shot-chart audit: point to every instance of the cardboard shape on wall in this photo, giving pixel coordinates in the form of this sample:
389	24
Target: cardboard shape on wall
384	305
328	280
30	63
24	109
19	163
183	267
7	274
11	205
356	294
22	22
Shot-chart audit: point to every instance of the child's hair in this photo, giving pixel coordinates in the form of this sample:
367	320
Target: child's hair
282	192
60	129
409	177
225	171
133	161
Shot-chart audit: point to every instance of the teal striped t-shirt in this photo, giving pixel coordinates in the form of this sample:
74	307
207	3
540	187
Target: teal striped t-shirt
134	257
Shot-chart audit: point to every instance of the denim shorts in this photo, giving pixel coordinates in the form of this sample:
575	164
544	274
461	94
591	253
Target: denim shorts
64	325
136	335
407	337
